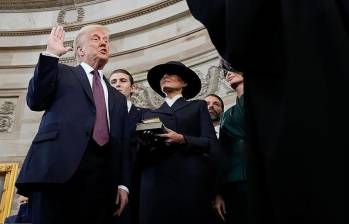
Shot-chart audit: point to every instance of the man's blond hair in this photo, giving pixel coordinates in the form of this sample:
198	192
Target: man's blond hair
81	34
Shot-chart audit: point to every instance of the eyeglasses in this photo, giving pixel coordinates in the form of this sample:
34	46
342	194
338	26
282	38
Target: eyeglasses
224	72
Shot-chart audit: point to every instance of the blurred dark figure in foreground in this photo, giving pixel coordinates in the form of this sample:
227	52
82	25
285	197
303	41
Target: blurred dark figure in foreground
294	55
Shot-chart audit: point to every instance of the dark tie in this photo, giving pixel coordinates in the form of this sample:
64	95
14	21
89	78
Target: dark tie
100	130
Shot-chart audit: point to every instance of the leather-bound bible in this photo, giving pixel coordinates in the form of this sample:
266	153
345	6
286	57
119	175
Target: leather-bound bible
148	131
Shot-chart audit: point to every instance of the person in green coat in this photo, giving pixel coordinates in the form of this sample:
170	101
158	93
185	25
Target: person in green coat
231	199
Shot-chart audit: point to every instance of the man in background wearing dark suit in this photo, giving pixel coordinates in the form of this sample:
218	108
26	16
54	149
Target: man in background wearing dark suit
123	81
23	214
79	159
215	107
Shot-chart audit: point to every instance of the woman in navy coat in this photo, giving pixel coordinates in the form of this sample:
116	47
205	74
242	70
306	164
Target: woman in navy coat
176	179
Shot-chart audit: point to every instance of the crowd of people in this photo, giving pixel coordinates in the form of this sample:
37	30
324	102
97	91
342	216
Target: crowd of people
86	163
89	164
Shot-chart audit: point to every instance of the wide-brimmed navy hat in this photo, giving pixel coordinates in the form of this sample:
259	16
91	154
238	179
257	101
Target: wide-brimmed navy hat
193	81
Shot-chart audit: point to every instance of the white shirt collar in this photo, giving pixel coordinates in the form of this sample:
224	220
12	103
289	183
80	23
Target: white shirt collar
170	102
129	105
217	129
88	69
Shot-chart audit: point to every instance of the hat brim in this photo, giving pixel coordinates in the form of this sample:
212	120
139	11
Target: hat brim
188	76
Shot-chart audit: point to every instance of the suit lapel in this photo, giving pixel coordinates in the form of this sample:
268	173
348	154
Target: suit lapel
181	102
111	100
164	109
81	75
133	114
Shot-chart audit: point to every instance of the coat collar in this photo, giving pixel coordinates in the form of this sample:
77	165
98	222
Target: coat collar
164	108
181	102
133	110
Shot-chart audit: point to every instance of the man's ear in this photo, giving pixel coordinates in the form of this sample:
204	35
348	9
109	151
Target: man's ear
133	88
80	52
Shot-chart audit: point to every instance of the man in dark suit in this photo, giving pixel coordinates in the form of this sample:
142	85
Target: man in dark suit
24	213
294	55
215	107
79	161
123	81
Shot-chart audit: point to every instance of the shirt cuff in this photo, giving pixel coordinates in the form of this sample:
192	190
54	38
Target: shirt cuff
46	53
123	188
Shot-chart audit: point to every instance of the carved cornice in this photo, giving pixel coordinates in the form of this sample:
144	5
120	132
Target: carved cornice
112	36
42	5
5	168
126	16
70	60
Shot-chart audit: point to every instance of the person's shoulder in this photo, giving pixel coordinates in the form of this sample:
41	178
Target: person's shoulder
66	67
11	219
228	111
116	94
227	114
142	109
198	102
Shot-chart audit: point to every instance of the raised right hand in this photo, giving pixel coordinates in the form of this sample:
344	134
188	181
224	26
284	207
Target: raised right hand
55	42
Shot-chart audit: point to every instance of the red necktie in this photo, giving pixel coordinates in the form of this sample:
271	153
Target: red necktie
100	130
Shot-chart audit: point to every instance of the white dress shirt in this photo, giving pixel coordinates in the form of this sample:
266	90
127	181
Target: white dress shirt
171	101
217	129
88	69
129	105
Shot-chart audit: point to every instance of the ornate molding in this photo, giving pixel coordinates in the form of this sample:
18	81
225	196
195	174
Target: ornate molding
71	60
9	174
126	16
5	168
79	17
11	109
7	114
112	36
42	5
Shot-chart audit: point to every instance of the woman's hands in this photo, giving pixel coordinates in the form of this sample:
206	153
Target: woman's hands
172	136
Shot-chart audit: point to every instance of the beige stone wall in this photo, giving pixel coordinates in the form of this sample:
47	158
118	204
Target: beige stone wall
143	34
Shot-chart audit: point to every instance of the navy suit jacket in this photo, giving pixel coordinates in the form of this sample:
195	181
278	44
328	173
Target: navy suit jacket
135	116
65	94
10	219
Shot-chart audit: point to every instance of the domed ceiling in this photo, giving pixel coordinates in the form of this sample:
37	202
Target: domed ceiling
31	5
